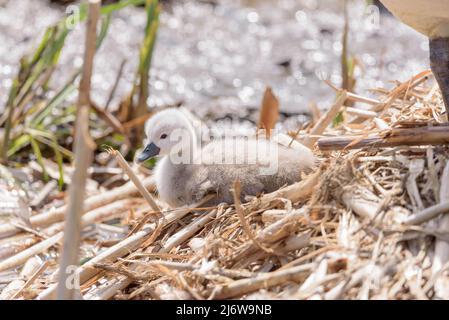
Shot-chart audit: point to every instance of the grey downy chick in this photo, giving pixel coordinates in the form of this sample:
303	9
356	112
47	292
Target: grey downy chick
187	172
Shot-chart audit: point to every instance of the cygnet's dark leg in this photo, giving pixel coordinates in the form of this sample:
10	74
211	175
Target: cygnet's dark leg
439	62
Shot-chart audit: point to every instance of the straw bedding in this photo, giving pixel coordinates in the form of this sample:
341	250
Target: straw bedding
369	223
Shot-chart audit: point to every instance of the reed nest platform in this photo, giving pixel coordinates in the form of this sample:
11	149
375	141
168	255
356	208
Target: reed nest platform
369	223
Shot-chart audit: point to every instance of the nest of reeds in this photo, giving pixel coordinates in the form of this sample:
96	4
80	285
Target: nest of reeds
369	223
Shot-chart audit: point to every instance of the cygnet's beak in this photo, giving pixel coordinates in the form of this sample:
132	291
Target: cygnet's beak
151	150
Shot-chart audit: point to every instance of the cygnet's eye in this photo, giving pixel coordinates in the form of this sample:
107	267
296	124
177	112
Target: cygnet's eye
163	136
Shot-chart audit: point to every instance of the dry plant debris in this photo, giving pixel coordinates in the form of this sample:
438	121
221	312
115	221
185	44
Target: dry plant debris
370	223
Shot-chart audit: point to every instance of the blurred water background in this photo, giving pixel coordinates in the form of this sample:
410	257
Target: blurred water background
217	57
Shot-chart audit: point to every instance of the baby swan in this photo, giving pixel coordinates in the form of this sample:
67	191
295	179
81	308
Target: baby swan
187	172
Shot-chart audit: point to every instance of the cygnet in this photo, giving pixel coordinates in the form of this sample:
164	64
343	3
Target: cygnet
187	172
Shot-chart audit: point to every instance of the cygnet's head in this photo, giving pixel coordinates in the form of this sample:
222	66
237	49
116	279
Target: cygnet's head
164	131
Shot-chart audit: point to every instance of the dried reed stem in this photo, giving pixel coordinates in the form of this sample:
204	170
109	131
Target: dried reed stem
30	281
239	209
263	280
84	147
188	231
394	137
325	120
296	192
427	214
127	169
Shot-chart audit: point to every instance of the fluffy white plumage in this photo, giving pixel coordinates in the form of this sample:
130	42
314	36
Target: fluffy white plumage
214	167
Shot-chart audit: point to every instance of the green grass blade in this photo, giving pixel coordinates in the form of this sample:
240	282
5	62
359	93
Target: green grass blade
18	143
120	5
59	98
49	139
46	137
105	23
105	10
8	125
43	45
146	50
59	161
38	154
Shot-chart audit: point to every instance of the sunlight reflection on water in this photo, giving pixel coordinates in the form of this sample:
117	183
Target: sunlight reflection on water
220	58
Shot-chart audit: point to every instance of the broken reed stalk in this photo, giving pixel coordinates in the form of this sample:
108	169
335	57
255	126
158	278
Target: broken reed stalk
427	214
240	213
127	169
31	266
30	281
355	97
109	118
296	192
381	124
185	266
24	255
188	231
394	137
361	113
402	88
263	280
110	289
325	120
84	147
